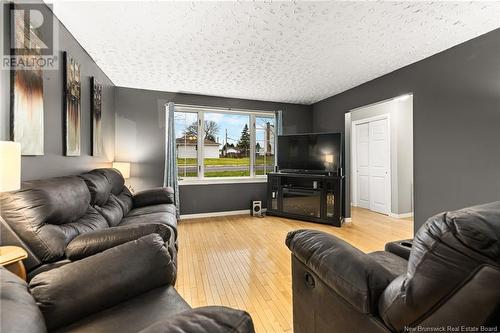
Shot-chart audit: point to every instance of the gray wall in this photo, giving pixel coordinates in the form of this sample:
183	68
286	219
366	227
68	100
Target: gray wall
400	114
456	122
140	138
4	84
53	163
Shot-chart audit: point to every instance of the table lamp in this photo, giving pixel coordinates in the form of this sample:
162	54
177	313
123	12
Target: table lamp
10	166
124	168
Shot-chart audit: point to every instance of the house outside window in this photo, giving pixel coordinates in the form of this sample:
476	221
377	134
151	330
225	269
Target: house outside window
235	144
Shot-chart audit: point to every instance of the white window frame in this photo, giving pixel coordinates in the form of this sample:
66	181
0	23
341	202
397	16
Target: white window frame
252	114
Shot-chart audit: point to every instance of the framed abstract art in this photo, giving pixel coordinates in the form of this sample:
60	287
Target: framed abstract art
72	106
96	114
26	107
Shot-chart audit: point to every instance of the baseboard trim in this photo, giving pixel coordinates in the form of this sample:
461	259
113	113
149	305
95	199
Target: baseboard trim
401	216
348	219
215	214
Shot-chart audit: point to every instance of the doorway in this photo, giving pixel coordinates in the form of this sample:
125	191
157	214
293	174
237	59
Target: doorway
372	163
379	157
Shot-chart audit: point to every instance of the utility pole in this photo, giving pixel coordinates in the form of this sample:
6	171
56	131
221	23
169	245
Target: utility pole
268	139
225	152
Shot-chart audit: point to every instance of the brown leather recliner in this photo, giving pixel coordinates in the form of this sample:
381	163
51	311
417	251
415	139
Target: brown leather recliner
451	280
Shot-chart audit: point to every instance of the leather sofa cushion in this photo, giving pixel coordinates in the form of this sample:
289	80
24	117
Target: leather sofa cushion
163	218
448	250
114	177
48	214
110	277
393	263
94	242
162	208
47	267
205	319
115	186
19	311
57	200
91	221
133	315
125	201
99	187
154	196
112	211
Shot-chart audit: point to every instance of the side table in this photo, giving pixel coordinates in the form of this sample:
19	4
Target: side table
11	258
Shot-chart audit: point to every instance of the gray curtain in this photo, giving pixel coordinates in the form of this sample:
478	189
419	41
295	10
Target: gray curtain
279	122
170	178
279	131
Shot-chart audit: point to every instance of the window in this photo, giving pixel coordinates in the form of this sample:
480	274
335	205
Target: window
231	157
265	142
186	129
232	144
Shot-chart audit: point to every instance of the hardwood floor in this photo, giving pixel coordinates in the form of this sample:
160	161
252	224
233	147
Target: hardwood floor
242	261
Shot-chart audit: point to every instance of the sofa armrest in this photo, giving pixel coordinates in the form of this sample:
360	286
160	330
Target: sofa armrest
155	196
207	319
97	241
353	275
401	248
78	289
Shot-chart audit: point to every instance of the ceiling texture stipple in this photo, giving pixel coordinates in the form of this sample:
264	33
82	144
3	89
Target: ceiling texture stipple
295	52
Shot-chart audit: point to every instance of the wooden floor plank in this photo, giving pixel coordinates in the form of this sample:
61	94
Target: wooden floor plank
242	261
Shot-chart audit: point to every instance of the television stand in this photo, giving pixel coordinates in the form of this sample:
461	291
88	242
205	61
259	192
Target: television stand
306	196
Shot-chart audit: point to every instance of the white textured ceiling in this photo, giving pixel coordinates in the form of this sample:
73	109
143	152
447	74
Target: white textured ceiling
297	52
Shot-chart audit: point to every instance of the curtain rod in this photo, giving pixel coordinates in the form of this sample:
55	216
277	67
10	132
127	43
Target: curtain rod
216	108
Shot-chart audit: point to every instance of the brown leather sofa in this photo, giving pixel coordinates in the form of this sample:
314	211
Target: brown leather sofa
451	280
64	219
127	288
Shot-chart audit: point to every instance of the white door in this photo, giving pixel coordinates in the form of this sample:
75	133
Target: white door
379	168
372	165
363	164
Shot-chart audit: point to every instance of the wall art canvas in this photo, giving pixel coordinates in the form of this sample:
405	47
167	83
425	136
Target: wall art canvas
96	105
26	105
72	106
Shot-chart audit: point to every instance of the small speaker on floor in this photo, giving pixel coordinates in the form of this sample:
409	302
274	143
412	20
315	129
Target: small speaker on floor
257	208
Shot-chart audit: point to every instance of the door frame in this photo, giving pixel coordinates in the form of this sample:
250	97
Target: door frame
354	180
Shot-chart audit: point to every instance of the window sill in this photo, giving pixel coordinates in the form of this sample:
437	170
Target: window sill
223	180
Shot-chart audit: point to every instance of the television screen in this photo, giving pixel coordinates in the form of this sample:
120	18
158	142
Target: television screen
310	152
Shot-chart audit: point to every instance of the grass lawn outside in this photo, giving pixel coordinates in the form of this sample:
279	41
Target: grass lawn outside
260	160
228	173
215	167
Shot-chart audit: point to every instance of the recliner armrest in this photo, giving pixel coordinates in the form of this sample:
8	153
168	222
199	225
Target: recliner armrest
207	319
97	241
155	196
353	275
78	289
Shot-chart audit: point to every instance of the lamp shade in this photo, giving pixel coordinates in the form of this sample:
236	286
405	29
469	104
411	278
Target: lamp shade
10	166
123	167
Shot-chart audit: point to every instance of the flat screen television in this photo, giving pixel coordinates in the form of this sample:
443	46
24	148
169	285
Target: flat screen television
310	152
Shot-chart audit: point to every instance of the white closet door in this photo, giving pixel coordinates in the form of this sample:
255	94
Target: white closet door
363	164
379	166
372	165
